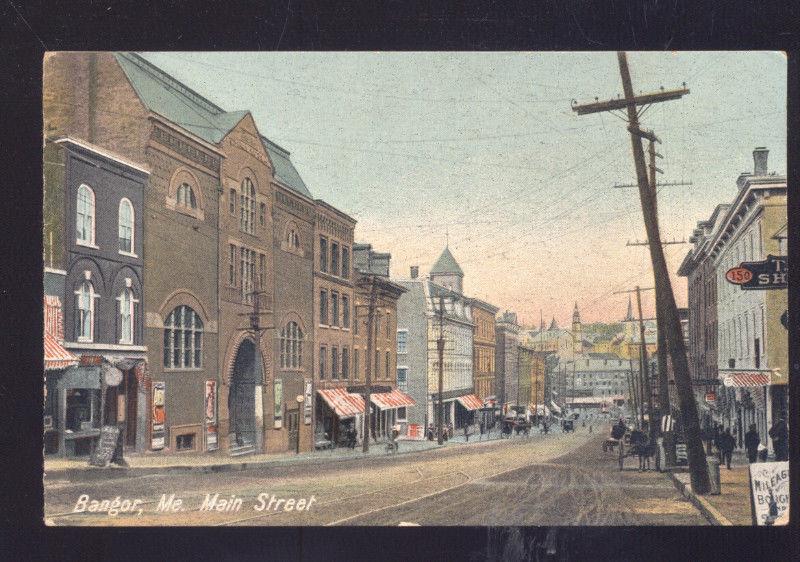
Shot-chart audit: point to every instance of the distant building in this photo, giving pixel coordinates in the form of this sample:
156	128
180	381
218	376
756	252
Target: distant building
507	361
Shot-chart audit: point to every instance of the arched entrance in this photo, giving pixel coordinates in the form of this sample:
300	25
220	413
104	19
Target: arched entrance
242	398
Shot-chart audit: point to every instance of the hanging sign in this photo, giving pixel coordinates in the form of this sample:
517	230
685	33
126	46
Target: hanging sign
211	401
711	396
159	416
307	404
769	493
772	273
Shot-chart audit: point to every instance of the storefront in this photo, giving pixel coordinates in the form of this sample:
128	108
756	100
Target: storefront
752	402
56	361
338	411
389	409
465	410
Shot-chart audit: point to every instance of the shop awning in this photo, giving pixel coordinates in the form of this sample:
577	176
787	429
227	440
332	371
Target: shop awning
555	407
343	403
470	402
396	398
55	355
745	380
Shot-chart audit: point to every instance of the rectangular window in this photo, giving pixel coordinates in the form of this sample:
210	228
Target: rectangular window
377	323
262	271
334	309
376	365
401	414
345	311
232	202
323	357
335	258
345	363
386	369
356	372
185	442
323	254
345	262
388	325
232	266
262	214
402	378
355	319
247	271
334	362
323	307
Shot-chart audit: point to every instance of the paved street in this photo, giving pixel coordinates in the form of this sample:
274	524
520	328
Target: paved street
542	480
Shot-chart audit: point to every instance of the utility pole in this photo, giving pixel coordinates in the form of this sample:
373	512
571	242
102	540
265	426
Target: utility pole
440	349
368	362
632	390
698	468
645	372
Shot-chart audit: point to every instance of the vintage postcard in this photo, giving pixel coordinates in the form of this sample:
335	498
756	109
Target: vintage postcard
402	289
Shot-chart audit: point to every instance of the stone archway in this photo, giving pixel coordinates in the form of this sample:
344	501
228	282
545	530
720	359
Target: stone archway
244	383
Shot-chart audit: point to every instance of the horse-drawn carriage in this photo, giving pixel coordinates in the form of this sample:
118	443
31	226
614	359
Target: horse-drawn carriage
630	444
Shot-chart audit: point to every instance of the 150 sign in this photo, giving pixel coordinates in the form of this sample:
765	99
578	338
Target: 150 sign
772	273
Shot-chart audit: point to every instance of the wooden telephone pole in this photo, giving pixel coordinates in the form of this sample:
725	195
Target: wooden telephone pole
440	349
665	299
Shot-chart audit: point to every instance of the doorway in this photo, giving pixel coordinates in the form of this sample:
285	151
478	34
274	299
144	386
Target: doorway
293	428
242	394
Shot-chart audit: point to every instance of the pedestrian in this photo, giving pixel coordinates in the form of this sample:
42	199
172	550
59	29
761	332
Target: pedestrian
716	435
726	446
779	434
590	427
762	452
751	443
466	433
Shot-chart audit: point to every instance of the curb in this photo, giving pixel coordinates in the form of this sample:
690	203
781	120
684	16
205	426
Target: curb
113	470
709	511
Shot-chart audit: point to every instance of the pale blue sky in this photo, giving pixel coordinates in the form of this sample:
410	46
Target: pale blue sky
487	144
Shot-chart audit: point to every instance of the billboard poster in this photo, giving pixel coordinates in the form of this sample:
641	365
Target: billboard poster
307	403
769	493
211	402
159	414
278	410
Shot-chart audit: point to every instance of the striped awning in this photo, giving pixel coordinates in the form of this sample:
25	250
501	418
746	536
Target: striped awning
744	379
55	356
343	403
470	402
396	398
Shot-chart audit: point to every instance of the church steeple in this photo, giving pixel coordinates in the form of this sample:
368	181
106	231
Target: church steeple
447	273
577	330
553	324
629	315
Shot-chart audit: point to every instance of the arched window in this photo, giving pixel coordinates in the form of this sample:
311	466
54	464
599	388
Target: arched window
125	226
247	206
126	315
84	312
183	339
291	346
186	197
84	223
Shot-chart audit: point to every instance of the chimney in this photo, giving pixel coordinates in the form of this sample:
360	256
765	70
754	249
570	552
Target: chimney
414	271
760	161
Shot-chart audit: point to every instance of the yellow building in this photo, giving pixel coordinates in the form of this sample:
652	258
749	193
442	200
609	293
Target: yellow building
483	366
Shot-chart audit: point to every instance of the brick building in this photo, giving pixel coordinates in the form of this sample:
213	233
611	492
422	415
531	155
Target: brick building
483	314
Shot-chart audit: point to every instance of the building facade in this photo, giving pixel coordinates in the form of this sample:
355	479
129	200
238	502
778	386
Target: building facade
752	348
507	360
93	232
484	317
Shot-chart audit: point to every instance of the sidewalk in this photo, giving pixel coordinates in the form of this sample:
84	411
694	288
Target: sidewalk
218	461
732	506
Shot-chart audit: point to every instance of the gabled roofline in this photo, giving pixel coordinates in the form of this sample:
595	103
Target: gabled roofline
169	81
103	152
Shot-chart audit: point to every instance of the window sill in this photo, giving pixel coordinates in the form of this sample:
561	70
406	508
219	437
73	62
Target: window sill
85	340
183	370
128	254
87	244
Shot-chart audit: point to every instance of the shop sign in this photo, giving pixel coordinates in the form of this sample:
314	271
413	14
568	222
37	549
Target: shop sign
278	409
211	402
772	273
91	360
307	403
211	438
711	397
769	493
106	446
159	416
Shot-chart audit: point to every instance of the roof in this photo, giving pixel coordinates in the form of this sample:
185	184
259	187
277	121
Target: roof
163	94
173	100
470	402
447	264
283	168
395	398
612	356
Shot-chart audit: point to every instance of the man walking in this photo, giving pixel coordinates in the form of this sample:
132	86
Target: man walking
751	441
779	434
726	446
